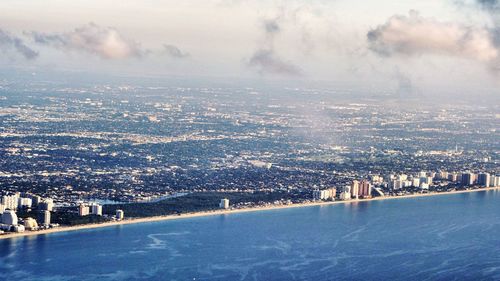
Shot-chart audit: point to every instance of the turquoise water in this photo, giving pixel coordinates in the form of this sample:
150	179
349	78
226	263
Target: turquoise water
449	237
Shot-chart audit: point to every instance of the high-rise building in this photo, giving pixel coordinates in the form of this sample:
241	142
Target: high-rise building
36	200
83	210
9	217
397	184
10	201
415	182
402	177
495	181
365	189
46	218
46	205
24	203
376	179
96	209
355	189
119	215
224	203
452	177
346	193
317	194
467	179
325	194
389	177
483	179
429	180
443	175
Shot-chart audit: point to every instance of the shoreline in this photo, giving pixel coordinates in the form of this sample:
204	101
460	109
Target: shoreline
226	212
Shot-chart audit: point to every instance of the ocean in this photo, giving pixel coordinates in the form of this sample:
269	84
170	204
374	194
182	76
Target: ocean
446	237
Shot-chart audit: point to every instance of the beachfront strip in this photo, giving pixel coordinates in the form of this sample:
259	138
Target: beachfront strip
18	210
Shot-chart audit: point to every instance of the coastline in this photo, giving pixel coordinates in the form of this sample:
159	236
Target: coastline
226	212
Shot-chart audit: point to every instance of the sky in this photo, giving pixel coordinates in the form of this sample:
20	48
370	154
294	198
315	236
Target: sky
427	47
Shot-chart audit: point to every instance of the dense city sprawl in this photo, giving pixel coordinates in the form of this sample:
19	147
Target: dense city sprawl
123	147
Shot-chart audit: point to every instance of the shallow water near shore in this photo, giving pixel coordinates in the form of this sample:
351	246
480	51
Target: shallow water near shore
454	236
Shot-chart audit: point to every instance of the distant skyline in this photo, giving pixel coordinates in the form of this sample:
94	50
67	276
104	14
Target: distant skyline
449	47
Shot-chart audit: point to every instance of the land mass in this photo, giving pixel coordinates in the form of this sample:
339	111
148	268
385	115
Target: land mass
212	211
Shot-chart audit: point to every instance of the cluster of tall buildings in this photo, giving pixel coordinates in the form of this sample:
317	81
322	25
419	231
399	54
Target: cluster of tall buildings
325	194
92	209
480	179
375	184
27	201
96	209
11	203
10	222
424	180
358	189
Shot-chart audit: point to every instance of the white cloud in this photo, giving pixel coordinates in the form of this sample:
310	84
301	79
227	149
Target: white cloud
415	35
105	42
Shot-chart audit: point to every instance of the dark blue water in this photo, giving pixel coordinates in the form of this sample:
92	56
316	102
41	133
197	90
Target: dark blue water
449	237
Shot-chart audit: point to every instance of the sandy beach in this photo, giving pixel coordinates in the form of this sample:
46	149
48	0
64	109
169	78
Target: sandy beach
226	212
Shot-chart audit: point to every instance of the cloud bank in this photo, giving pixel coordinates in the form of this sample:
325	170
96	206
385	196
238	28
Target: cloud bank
8	41
416	35
105	42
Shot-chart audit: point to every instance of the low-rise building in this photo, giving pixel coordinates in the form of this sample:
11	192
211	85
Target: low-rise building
119	214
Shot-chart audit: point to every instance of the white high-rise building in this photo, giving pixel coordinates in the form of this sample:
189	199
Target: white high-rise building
495	181
415	182
325	194
376	179
96	209
397	184
24	203
10	201
224	203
